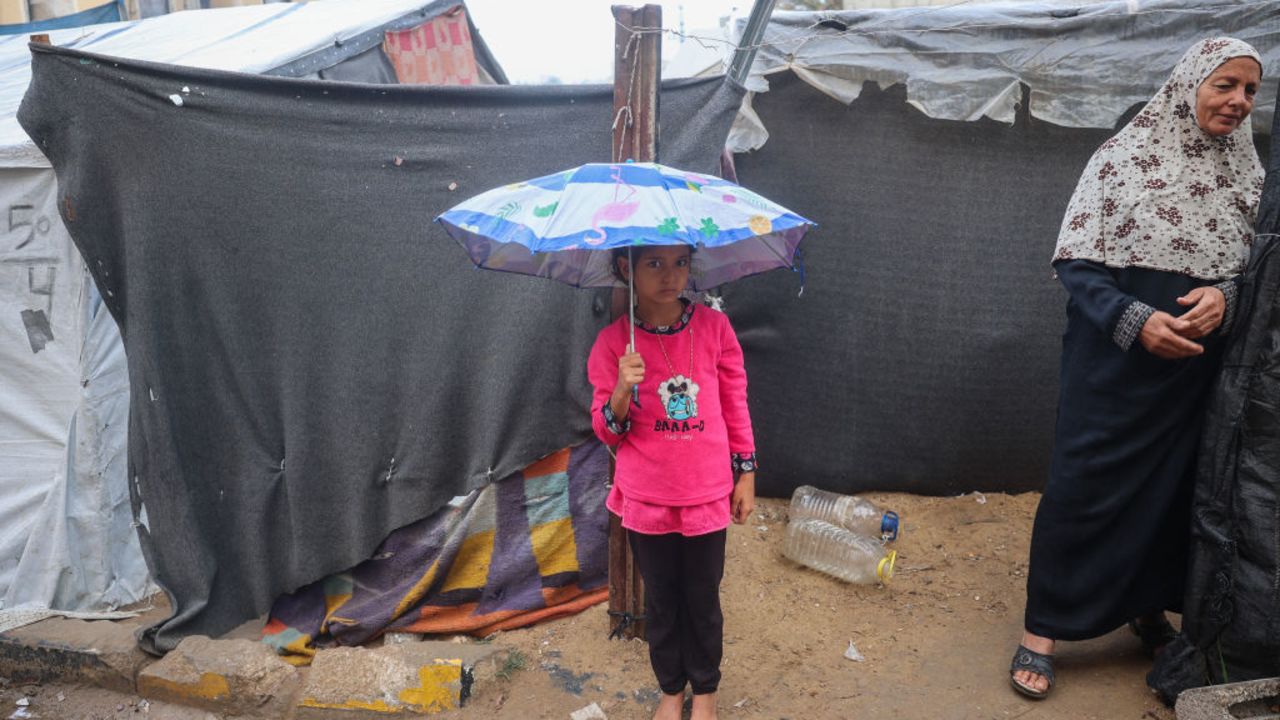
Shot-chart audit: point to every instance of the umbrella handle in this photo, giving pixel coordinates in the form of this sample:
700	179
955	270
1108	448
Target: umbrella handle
631	308
635	389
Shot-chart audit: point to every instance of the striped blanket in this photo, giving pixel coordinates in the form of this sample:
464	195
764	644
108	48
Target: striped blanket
526	548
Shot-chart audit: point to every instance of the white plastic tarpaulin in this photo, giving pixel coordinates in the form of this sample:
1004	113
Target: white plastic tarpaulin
66	535
1085	63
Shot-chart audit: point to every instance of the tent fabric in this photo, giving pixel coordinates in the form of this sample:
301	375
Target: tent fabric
370	66
527	548
1085	65
438	52
930	323
108	13
312	364
63	377
81	549
1232	600
485	62
286	39
46	312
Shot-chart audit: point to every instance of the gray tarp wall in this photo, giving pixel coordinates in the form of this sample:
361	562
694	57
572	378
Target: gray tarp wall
923	355
312	363
66	538
937	148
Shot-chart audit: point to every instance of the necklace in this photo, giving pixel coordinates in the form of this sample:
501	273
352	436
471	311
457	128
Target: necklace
679	393
670	367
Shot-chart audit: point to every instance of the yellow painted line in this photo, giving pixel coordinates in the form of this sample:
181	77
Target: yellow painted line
210	686
438	690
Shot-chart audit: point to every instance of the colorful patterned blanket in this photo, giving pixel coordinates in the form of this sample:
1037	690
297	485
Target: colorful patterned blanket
526	548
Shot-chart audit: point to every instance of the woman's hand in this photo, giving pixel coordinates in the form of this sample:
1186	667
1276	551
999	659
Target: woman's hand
744	497
1208	306
1165	336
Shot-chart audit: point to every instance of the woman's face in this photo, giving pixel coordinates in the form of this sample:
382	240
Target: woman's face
1225	98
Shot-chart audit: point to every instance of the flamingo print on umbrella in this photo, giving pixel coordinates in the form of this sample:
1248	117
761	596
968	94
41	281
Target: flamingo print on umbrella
614	212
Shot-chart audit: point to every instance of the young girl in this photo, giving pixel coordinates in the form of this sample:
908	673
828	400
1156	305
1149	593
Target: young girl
685	463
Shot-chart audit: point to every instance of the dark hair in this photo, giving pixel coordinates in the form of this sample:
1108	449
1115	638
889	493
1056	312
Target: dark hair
638	250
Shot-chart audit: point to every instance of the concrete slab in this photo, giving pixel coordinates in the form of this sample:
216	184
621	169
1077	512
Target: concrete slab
100	653
397	679
1255	699
233	677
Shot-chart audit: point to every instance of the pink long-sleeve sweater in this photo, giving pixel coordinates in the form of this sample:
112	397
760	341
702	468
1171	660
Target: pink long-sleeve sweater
676	446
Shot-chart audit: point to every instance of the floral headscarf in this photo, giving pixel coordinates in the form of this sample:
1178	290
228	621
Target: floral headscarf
1164	194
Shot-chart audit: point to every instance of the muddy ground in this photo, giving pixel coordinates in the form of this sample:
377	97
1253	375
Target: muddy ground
936	640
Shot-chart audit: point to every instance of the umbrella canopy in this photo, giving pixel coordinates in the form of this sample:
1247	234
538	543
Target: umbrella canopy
555	226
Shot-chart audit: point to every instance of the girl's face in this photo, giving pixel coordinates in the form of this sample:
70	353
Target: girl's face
661	273
1225	98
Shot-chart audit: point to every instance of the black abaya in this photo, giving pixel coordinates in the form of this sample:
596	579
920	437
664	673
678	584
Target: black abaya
1110	537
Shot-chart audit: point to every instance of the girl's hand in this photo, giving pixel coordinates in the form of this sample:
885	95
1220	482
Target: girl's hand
630	372
1209	306
744	497
1165	336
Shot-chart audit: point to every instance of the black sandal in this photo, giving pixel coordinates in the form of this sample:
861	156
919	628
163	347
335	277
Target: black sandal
1154	636
1032	661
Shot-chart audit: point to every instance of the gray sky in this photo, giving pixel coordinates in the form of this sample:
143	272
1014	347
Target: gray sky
573	39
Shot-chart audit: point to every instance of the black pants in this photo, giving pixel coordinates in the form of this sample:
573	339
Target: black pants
682	607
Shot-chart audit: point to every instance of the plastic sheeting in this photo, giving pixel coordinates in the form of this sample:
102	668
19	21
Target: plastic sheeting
87	509
66	539
43	300
108	13
292	39
1232	598
1085	65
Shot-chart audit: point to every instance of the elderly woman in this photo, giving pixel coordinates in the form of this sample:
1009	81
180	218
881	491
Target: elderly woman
1155	235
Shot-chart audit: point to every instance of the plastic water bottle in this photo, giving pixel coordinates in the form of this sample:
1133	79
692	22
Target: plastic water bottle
850	512
839	552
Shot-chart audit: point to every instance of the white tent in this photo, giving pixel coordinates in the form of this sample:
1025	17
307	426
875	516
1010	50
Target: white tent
66	528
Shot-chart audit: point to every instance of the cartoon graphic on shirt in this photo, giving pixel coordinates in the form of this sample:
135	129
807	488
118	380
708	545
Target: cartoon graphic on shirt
680	397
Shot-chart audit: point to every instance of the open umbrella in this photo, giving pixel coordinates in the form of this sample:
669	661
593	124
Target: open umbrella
563	226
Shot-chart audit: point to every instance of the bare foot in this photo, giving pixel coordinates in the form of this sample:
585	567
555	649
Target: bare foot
669	707
1041	645
704	707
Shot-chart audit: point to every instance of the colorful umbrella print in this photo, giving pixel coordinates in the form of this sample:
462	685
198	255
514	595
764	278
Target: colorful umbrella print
556	226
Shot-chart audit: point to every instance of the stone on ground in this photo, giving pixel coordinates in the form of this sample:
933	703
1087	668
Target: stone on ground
1252	699
417	677
236	677
98	652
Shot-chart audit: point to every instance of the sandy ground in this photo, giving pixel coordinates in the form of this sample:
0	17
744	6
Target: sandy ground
937	640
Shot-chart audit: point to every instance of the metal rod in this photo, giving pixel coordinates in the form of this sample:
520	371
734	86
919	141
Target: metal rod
761	11
631	301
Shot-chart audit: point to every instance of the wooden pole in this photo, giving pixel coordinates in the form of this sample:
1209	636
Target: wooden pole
637	52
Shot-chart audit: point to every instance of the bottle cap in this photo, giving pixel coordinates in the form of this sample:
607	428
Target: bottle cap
889	526
884	570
